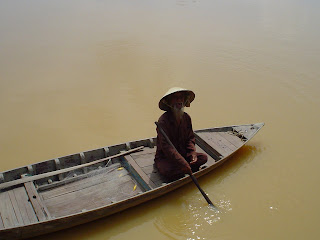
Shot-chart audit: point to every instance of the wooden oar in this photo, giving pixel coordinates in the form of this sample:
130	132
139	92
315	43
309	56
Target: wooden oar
191	175
49	174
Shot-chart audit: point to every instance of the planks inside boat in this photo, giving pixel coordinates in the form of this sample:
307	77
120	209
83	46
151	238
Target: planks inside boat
67	191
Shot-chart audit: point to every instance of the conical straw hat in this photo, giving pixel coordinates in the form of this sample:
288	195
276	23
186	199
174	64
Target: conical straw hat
164	104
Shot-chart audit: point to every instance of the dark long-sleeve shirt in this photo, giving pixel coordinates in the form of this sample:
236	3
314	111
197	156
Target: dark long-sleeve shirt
181	136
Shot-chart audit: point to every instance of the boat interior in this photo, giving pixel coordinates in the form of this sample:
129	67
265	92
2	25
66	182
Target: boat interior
99	184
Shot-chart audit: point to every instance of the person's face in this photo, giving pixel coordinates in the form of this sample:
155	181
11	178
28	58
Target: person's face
177	100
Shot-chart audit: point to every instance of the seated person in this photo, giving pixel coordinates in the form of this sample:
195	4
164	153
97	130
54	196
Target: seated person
177	125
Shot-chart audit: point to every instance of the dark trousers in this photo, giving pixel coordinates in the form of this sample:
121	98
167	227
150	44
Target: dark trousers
172	171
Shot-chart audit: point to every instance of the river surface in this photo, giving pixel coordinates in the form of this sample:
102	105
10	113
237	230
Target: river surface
79	75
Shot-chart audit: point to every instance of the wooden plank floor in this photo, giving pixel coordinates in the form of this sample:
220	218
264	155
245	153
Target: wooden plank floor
26	209
222	143
8	214
232	139
145	160
91	192
1	223
16	209
92	179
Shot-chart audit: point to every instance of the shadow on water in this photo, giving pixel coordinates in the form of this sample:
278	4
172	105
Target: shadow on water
182	214
243	157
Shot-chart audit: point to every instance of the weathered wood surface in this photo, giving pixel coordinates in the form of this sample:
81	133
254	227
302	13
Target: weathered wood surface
15	206
247	131
1	223
90	193
207	147
16	209
58	167
73	178
91	179
145	160
44	175
154	175
217	142
37	203
237	142
140	172
8	214
27	212
87	199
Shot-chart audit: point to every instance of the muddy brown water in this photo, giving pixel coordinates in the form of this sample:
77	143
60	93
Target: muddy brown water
78	75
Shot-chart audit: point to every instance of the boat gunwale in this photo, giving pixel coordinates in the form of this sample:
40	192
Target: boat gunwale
110	209
123	143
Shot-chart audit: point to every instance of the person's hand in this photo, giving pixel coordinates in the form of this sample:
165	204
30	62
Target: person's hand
193	159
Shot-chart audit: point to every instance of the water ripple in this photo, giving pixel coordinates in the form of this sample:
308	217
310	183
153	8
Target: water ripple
192	220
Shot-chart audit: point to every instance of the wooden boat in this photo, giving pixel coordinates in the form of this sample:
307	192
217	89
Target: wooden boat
64	192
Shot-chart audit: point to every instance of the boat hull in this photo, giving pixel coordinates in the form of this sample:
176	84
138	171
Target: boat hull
138	166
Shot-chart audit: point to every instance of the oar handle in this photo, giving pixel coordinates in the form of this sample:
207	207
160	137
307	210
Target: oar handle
165	136
191	175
